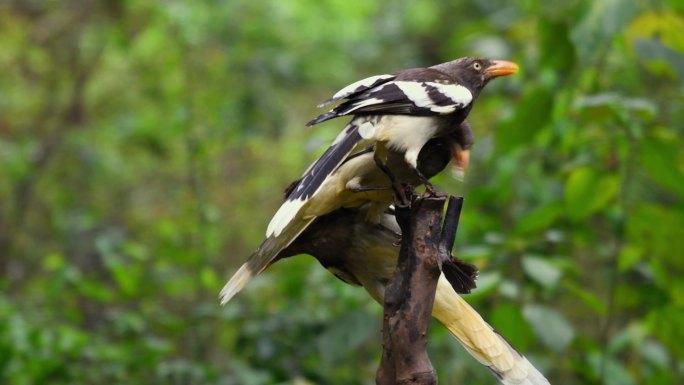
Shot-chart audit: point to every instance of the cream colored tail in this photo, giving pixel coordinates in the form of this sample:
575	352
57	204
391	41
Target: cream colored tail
263	257
481	341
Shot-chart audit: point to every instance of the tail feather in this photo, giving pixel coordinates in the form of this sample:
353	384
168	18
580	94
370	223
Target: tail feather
481	340
236	283
262	258
322	118
461	275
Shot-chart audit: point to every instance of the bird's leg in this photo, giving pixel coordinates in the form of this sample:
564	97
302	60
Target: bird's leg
399	190
430	189
380	156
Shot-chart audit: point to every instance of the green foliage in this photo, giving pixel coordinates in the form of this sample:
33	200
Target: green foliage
144	146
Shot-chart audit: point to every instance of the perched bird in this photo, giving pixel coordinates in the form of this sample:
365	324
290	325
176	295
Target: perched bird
398	112
365	254
356	182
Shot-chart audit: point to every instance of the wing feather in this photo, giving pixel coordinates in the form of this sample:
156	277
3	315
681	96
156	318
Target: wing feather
405	97
357	88
314	177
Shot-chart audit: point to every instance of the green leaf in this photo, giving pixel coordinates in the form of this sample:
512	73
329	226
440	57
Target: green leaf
601	23
531	115
610	370
557	51
209	278
587	191
344	335
540	270
658	232
629	256
667	324
586	296
655	353
539	219
664	163
486	283
602	105
550	325
508	320
54	262
666	26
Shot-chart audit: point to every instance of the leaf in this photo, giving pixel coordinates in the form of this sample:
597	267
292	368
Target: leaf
664	163
531	115
551	326
657	40
344	335
603	21
538	219
586	296
209	278
655	353
508	320
557	51
667	26
587	191
658	232
54	262
541	271
486	283
628	257
667	324
601	105
610	370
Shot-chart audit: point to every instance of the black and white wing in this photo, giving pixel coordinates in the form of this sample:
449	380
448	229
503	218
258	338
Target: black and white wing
314	177
357	88
422	92
289	221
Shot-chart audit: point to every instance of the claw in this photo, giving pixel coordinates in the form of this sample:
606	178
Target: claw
430	190
401	198
397	243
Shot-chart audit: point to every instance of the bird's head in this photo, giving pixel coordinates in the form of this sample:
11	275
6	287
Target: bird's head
474	73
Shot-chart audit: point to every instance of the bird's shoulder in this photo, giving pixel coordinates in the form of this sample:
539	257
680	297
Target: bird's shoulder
425	74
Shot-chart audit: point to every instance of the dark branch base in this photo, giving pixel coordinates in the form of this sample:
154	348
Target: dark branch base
409	296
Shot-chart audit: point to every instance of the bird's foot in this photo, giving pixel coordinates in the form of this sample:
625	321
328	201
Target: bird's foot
403	194
401	198
431	191
397	243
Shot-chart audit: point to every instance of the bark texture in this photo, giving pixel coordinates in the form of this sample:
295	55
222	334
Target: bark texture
428	236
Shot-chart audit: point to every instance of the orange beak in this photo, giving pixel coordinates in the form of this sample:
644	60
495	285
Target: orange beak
501	68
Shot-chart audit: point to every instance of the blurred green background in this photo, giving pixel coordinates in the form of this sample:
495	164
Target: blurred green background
145	144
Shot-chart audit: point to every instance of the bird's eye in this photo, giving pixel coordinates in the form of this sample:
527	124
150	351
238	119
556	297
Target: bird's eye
477	66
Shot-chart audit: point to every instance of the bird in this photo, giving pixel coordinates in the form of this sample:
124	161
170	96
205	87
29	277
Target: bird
356	182
396	112
362	253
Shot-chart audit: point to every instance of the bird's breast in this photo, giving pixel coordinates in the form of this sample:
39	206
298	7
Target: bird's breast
402	132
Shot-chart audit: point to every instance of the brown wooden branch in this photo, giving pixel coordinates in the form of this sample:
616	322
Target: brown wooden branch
409	296
428	236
